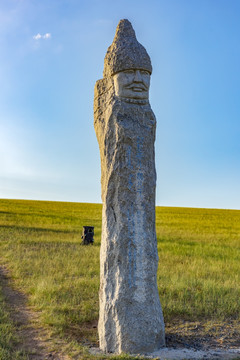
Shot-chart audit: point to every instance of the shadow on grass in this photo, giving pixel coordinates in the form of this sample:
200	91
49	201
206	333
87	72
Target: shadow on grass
39	229
201	335
85	333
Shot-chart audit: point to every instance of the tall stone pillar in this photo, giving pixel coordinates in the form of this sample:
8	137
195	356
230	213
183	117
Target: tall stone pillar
130	318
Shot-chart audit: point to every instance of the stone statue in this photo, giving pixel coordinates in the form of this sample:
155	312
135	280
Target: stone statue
130	318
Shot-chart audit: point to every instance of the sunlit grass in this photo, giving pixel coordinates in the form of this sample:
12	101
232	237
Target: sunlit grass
198	275
199	270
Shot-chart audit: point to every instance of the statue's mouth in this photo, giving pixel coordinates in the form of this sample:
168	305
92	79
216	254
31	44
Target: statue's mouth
137	88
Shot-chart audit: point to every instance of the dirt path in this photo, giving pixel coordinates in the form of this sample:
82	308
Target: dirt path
35	340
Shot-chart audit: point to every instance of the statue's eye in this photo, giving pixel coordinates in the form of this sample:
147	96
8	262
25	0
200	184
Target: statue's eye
129	71
144	72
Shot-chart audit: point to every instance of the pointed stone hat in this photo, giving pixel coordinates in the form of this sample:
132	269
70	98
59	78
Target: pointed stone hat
125	52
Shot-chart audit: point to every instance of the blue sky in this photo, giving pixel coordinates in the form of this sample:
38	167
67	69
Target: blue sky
48	148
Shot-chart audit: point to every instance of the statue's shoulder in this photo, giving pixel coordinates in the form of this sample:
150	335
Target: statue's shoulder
102	87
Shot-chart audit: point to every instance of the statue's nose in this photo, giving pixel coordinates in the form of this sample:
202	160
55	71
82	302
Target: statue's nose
137	77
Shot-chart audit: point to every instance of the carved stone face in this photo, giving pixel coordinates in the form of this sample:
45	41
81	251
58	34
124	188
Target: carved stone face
132	84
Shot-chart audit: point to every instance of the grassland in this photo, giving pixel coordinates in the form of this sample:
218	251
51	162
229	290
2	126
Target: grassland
198	276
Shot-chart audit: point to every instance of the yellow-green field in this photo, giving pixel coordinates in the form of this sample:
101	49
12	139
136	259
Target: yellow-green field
40	244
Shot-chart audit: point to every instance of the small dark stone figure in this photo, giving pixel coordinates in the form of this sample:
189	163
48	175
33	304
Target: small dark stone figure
87	235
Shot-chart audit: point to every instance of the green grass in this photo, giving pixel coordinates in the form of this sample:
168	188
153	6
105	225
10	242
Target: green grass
199	271
198	275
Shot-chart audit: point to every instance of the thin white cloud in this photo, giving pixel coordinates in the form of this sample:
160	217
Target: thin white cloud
39	36
47	36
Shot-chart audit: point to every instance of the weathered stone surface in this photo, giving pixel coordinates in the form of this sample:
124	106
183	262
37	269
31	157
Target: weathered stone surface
125	52
130	318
